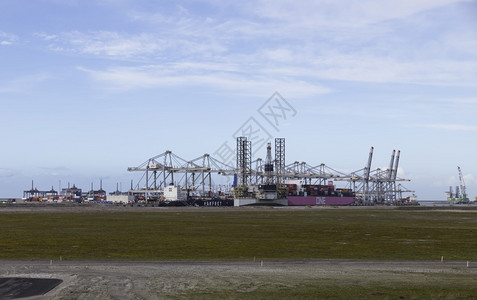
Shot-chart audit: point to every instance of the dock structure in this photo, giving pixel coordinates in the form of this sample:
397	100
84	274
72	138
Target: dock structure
37	195
168	169
198	176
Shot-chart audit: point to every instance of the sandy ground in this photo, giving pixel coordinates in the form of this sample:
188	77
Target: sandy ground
175	280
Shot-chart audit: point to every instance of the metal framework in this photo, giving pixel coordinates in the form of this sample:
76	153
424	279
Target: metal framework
279	158
379	186
259	171
198	176
244	161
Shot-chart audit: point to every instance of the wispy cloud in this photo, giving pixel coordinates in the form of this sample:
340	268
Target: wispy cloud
200	75
6	172
113	44
45	37
59	168
22	84
134	47
54	171
342	13
7	39
287	41
471	101
451	127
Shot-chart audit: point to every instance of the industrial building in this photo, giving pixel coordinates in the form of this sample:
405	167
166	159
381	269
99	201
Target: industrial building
70	194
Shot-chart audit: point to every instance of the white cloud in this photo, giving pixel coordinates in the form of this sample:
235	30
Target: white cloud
46	37
142	46
112	43
7	39
454	181
176	75
401	173
301	42
469	179
369	68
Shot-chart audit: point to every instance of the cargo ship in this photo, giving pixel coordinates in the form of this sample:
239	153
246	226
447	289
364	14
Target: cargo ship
311	200
307	194
294	194
275	189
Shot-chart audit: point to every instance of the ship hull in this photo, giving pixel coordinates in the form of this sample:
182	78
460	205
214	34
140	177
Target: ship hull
264	202
319	200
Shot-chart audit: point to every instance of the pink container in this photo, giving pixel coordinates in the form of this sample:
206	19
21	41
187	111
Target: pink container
319	200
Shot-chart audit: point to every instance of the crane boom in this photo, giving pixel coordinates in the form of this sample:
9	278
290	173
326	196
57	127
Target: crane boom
390	170
396	165
368	166
462	183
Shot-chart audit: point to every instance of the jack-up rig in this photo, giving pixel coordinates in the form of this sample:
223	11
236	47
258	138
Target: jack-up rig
167	178
460	195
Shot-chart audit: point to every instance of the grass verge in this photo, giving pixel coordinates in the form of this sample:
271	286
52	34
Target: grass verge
268	234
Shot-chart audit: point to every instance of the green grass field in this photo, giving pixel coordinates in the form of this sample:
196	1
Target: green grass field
240	234
248	234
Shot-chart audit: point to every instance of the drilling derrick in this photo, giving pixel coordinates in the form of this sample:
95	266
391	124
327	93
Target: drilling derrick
268	190
279	159
244	160
244	167
269	178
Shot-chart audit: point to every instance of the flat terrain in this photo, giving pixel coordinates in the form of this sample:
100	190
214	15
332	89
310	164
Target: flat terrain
171	253
152	233
241	280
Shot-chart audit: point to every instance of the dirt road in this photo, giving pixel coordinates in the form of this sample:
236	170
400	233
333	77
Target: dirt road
175	280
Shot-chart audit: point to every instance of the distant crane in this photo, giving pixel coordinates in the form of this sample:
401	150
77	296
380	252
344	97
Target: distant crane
462	184
459	197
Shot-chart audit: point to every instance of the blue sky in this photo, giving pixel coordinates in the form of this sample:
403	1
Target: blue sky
89	88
